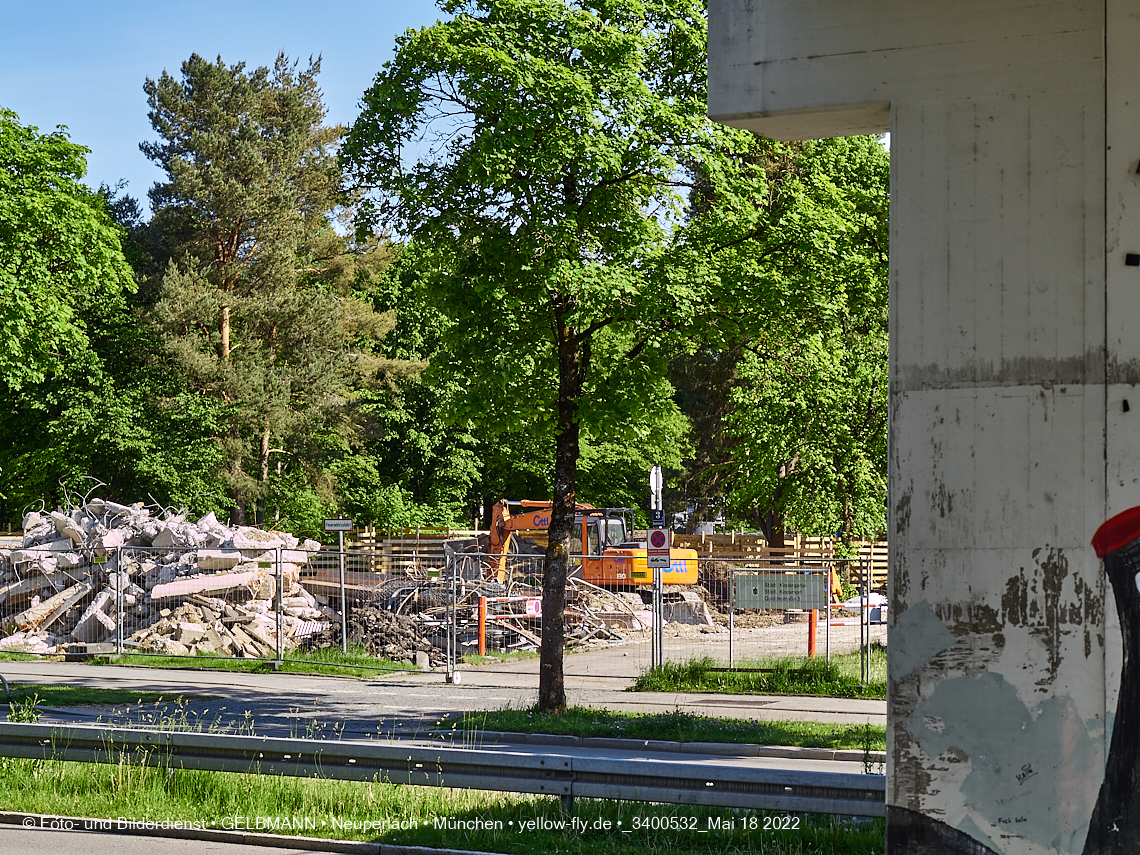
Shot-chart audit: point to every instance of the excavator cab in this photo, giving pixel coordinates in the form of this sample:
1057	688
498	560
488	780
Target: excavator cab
601	549
605	528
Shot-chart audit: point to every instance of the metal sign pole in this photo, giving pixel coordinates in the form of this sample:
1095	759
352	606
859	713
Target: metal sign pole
120	596
827	632
731	612
660	619
343	601
655	609
280	607
862	626
452	632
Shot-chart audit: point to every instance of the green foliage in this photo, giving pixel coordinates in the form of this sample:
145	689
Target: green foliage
25	711
676	725
537	218
797	239
788	675
107	408
260	302
548	140
58	251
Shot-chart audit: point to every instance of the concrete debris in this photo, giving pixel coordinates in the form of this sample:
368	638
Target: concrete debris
383	633
187	587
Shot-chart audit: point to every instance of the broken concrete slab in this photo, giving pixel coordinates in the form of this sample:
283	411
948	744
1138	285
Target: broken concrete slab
253	541
66	526
47	612
190	633
96	623
27	642
218	559
202	584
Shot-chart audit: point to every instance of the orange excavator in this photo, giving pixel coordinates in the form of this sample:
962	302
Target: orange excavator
601	546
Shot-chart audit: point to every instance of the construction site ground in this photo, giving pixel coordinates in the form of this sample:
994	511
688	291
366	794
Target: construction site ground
404	704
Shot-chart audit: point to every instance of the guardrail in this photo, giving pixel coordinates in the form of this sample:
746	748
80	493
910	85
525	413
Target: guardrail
567	776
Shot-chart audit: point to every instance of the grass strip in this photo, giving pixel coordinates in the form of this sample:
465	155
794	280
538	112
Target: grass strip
409	815
786	675
677	725
357	662
54	695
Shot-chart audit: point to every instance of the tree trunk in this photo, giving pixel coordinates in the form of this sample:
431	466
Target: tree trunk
225	335
263	473
772	524
573	360
237	494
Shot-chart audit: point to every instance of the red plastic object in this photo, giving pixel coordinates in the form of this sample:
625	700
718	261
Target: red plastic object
1117	531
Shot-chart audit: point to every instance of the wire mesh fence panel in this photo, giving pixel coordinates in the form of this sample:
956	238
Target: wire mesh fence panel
749	613
45	592
191	602
448	608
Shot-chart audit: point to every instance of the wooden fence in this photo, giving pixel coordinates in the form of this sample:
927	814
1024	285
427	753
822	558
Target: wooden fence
732	547
753	550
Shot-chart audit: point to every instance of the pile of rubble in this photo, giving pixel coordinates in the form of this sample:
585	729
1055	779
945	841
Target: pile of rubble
185	587
383	633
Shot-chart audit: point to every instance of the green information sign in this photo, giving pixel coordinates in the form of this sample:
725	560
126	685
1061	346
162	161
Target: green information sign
781	590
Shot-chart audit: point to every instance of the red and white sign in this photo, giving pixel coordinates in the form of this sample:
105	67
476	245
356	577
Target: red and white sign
658	551
534	608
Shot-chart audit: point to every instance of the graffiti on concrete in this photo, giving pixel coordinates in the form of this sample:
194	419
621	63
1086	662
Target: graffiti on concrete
1115	824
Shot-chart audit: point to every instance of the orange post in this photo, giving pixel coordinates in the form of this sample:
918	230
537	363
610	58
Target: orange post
482	626
813	622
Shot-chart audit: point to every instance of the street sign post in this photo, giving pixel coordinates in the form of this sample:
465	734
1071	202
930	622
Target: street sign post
340	527
658	548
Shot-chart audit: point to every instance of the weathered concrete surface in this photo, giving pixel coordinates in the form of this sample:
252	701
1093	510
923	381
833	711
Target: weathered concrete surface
1014	424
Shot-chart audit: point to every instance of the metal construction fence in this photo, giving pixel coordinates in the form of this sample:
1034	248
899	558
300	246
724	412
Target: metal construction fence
396	611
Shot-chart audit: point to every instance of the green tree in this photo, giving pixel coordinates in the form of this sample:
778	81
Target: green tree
260	299
59	249
110	410
534	147
805	426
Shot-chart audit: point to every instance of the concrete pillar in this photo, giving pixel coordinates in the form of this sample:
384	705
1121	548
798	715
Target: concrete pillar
1015	431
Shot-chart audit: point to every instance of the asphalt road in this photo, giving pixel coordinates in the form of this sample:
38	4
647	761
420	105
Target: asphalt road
16	840
309	705
35	841
394	705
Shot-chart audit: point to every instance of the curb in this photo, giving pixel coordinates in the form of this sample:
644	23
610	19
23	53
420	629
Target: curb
724	749
242	838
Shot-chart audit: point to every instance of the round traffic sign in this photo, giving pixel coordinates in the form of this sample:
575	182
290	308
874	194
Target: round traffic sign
657	539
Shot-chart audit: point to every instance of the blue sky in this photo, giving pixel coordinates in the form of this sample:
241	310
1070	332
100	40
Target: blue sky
82	64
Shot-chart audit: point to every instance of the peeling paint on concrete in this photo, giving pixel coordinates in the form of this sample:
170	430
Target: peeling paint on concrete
1021	761
902	513
975	831
1014	196
917	636
969	618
